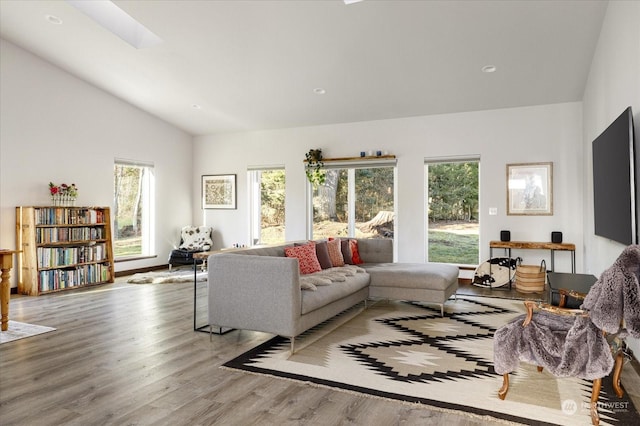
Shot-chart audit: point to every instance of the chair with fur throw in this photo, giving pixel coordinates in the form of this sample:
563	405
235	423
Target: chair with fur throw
573	342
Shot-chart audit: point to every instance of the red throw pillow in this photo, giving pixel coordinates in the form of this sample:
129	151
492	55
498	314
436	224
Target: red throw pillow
355	255
307	258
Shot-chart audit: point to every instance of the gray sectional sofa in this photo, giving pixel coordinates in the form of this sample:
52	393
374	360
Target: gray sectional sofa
259	288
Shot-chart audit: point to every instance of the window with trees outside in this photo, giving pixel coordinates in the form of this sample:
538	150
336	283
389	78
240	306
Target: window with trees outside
133	211
267	189
452	211
356	200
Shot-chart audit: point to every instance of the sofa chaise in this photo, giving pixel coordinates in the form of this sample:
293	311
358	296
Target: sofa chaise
260	288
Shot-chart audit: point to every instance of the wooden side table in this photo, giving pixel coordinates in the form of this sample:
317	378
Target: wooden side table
6	263
553	247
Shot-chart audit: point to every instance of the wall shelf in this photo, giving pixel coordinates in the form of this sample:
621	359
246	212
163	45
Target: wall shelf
355	159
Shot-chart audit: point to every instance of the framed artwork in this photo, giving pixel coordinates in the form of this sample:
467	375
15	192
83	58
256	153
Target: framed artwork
219	191
530	189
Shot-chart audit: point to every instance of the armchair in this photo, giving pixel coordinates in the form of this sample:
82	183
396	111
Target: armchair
193	239
573	342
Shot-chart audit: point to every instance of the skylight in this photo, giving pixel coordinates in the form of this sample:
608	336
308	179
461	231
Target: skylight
119	22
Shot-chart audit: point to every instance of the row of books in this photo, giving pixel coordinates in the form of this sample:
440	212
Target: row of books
58	235
57	279
68	216
51	257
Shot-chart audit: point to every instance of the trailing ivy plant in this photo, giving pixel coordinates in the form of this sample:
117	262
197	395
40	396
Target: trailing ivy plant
315	167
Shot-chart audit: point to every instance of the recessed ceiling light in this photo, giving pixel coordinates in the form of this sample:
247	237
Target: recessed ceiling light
489	68
319	91
53	19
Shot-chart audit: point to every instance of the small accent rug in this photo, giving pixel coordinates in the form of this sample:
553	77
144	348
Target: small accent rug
407	352
166	277
20	330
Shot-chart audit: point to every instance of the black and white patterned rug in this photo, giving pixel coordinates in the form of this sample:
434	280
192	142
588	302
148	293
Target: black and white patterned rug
407	352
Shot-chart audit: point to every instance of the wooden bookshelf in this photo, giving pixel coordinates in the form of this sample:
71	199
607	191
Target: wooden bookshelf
63	248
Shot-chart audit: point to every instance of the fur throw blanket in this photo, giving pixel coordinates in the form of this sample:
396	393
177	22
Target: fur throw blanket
616	295
565	346
575	346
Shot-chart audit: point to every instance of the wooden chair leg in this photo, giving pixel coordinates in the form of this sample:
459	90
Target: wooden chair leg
617	369
502	393
595	394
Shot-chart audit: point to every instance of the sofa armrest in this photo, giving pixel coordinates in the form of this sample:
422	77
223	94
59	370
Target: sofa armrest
375	250
260	293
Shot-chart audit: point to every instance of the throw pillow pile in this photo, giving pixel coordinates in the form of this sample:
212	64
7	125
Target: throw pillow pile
316	256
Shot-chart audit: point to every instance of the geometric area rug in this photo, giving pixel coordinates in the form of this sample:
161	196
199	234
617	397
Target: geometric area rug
19	330
405	351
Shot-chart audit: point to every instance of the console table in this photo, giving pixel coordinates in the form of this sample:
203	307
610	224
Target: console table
553	247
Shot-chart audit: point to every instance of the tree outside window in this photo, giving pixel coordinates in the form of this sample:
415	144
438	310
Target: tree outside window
355	202
132	209
267	206
452	208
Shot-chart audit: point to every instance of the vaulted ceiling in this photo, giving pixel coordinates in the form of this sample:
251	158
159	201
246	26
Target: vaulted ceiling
228	66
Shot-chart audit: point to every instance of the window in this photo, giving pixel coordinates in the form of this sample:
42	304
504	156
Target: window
133	211
267	189
356	200
452	211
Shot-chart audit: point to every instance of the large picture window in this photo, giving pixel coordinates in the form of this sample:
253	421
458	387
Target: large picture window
267	189
452	200
356	200
133	209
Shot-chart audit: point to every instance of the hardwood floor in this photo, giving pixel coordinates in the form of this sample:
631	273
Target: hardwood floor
127	354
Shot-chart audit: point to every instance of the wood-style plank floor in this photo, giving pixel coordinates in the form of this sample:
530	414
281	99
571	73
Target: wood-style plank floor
126	354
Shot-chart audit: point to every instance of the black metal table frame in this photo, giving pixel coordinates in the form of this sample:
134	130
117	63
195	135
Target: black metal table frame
553	254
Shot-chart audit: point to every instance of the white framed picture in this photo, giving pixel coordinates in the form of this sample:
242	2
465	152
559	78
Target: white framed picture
219	191
530	189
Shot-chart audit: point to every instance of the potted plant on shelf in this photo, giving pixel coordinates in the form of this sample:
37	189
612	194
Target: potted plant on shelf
315	167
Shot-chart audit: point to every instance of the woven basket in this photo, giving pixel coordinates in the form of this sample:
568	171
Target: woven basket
530	278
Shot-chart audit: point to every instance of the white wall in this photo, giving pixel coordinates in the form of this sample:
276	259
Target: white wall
56	127
613	85
518	135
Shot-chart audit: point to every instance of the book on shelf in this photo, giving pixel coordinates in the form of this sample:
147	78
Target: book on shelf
62	235
58	279
68	216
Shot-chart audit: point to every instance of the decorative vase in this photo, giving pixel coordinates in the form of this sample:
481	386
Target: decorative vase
63	200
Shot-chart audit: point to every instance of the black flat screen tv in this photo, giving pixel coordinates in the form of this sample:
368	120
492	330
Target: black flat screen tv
616	190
